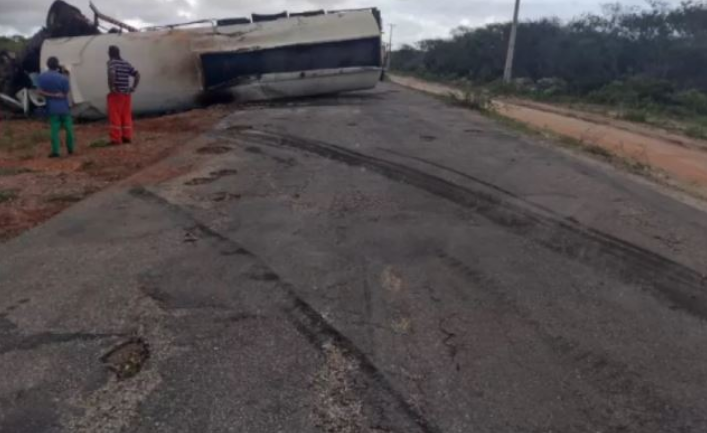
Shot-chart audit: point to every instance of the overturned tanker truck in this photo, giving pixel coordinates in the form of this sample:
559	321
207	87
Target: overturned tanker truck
262	57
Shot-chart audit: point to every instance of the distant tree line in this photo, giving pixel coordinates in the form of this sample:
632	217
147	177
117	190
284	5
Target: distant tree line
12	43
652	53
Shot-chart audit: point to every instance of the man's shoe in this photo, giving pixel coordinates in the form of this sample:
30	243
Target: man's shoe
53	155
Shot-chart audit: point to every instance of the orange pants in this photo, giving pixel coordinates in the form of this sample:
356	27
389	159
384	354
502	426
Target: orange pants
120	116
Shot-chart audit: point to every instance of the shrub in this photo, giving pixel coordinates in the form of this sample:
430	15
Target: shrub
474	98
696	132
693	99
634	116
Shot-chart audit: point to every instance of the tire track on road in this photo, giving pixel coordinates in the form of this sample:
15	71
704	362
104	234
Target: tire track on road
675	284
305	318
629	400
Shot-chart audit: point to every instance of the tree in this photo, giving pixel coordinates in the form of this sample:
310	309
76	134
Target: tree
12	43
657	43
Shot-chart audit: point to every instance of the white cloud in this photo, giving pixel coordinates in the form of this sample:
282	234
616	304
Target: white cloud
189	15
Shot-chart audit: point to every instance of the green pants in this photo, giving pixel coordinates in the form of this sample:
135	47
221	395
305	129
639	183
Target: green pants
56	123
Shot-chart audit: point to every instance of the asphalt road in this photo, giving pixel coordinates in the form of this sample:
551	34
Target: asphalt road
373	262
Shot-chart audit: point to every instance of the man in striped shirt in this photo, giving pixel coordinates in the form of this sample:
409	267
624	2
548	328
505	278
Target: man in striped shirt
120	109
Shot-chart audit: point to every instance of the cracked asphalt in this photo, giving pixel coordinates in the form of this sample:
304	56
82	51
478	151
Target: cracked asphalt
373	262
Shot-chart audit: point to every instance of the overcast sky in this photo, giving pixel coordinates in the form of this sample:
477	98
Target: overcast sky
414	19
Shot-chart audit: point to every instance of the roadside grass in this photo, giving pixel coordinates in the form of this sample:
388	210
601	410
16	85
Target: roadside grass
7	138
696	131
97	144
8	195
631	164
12	141
635	116
472	98
687	124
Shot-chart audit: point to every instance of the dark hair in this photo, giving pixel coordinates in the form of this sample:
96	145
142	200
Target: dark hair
113	52
53	63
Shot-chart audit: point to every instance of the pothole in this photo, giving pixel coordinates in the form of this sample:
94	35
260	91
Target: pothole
224	196
239	128
224	172
213	176
253	149
213	150
127	359
199	181
289	162
339	408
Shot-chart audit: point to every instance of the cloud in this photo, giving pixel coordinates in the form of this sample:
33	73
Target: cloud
414	19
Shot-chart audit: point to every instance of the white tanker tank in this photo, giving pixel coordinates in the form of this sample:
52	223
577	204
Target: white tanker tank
292	56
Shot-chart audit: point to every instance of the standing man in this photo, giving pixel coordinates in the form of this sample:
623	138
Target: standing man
120	97
54	86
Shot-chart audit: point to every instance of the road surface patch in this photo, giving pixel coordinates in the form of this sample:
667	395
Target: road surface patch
127	359
391	281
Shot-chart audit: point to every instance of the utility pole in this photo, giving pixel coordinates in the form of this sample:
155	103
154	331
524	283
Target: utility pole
390	47
508	71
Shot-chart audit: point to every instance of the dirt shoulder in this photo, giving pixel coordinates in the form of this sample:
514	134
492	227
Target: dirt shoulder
33	188
643	129
677	160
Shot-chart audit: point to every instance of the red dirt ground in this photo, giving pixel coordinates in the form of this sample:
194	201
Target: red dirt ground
33	188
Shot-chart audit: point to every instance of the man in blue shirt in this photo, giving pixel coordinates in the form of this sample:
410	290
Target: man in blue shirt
54	86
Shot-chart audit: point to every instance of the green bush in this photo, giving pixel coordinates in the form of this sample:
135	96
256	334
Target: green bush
693	99
474	98
7	195
12	43
634	116
634	92
696	132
